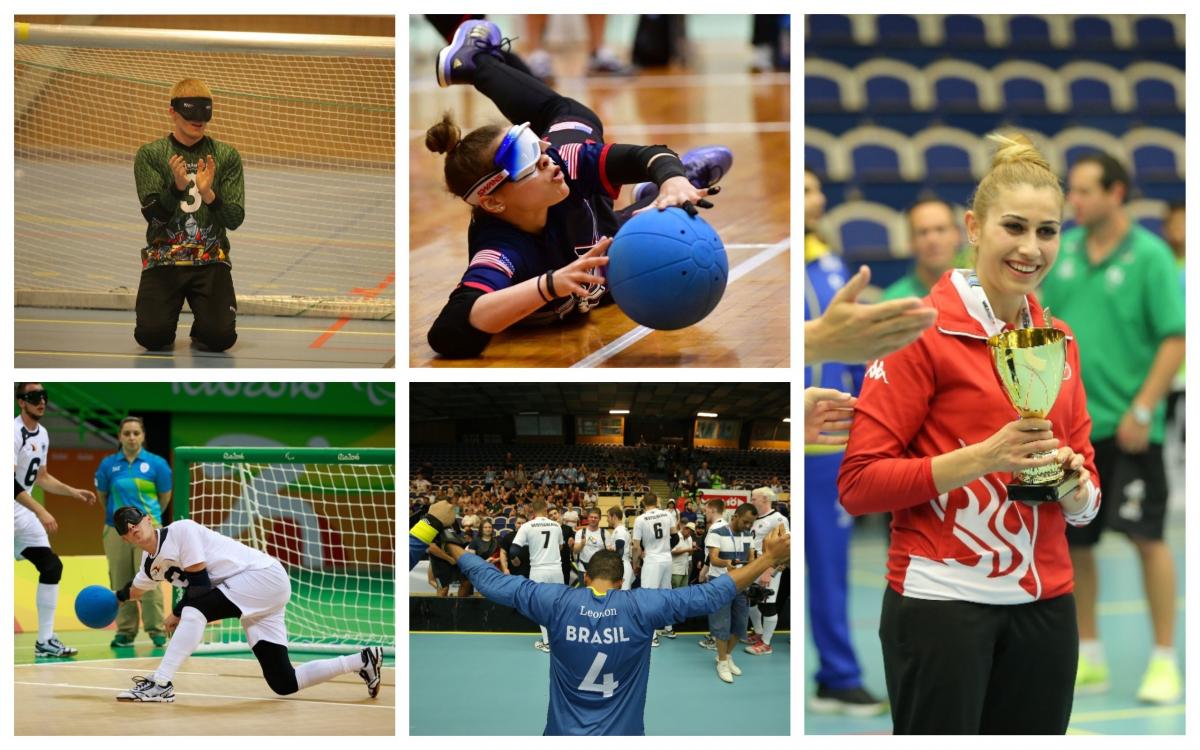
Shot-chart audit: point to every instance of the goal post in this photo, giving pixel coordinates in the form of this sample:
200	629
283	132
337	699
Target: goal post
327	514
312	116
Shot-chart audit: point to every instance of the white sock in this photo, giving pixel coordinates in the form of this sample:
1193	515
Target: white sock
769	624
312	672
1163	652
756	620
187	637
1092	650
545	636
47	603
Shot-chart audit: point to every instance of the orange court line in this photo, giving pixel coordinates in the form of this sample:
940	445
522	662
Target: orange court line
341	322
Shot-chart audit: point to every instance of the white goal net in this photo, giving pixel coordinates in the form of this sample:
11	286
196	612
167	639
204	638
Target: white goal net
327	514
313	118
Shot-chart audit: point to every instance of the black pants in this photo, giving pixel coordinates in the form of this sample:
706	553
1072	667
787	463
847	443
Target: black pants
209	292
965	668
523	98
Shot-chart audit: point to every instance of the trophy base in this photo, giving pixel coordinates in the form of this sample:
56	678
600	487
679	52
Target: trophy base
1033	494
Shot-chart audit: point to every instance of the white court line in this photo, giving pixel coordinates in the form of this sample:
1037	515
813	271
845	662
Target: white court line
686	128
564	84
210	695
637	334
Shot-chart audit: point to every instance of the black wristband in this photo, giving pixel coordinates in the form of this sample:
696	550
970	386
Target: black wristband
550	284
538	283
123	593
436	524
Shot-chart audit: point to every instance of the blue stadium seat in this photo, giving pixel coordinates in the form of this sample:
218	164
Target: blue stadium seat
1155	155
1028	87
1092	33
897	30
830	87
950	155
964	31
866	231
829	30
1148	212
892	85
878	154
1094	87
1156	32
1029	32
1156	87
1075	142
960	86
825	155
499	522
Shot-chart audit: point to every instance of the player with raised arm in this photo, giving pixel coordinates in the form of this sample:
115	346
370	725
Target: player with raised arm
653	538
540	541
765	616
600	634
192	193
221	578
31	520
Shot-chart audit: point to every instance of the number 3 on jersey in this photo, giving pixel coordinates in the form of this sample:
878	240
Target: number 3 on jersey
191	204
607	684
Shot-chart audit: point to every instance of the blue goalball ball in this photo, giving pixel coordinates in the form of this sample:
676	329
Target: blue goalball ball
96	607
667	270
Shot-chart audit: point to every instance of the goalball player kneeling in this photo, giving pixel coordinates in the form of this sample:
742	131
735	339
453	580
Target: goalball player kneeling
221	578
600	635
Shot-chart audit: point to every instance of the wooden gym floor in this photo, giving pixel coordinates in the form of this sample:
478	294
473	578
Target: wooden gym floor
714	102
63	697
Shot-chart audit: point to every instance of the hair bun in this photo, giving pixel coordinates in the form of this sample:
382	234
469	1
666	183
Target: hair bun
444	136
1014	148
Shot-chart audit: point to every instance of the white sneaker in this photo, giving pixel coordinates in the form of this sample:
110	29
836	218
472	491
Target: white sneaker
724	672
733	667
655	642
542	646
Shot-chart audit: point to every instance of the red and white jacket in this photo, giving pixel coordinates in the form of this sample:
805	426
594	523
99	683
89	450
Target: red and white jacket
937	395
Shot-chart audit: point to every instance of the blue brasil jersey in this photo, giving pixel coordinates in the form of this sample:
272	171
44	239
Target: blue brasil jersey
502	255
599	644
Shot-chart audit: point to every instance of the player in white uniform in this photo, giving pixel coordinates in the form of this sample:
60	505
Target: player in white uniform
652	543
222	578
540	541
765	616
31	520
620	542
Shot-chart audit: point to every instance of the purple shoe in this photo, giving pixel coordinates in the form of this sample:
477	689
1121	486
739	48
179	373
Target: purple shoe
456	61
705	166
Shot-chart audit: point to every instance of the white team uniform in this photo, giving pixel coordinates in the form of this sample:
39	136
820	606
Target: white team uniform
593	543
652	530
543	540
31	451
765	525
252	580
621	534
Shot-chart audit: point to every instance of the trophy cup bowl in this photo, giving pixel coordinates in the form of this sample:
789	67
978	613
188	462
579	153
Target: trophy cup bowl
1030	363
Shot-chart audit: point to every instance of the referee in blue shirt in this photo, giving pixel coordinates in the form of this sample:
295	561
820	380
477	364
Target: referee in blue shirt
600	635
136	477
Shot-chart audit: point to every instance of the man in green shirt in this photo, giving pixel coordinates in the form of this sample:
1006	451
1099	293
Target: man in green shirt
1116	284
935	239
192	194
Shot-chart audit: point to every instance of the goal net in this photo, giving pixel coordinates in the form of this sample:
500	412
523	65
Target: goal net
327	514
313	118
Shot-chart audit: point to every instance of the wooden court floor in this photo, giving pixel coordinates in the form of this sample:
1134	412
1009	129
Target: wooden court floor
682	109
213	696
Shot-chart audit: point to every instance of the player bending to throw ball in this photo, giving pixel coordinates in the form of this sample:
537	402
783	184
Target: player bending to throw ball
600	635
221	578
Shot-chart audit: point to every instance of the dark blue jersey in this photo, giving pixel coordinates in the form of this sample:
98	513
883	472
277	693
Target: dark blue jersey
501	255
599	643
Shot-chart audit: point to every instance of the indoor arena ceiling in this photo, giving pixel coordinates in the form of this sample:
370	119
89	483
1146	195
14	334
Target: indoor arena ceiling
672	400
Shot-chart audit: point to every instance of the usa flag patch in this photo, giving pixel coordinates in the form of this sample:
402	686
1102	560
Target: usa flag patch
570	157
493	259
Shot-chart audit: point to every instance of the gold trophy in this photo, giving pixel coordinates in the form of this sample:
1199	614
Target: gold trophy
1030	363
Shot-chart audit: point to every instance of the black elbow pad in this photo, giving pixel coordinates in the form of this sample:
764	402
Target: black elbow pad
452	334
199	584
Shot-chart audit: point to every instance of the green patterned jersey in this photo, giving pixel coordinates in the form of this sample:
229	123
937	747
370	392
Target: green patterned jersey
182	230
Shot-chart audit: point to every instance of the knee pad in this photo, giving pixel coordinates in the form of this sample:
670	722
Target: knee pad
768	610
48	564
213	605
277	668
154	339
215	342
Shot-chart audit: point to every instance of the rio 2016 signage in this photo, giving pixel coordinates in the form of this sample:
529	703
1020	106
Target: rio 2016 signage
344	399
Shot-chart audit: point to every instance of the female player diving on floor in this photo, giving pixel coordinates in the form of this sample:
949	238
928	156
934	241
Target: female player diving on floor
541	193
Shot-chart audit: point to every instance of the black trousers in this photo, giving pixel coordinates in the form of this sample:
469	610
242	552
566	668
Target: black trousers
965	668
209	292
